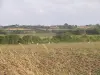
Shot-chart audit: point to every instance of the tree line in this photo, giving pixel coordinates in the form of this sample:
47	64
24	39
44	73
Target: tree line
30	39
73	29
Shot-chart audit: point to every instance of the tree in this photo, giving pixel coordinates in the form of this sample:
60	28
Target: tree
27	39
11	39
36	39
31	39
1	39
65	24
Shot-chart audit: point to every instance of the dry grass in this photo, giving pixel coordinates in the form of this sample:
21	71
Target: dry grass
50	59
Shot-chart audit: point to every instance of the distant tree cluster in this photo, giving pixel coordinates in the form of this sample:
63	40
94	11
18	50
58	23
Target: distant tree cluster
30	39
64	33
66	37
16	39
73	29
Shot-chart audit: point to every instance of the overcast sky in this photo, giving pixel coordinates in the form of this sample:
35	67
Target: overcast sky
49	12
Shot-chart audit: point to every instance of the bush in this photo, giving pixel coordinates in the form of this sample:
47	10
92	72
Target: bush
11	39
36	39
27	39
31	39
1	39
46	40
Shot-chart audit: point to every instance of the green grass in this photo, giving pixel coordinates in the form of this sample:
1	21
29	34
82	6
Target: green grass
41	35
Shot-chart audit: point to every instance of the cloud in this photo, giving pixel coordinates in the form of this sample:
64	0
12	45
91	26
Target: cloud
49	11
0	3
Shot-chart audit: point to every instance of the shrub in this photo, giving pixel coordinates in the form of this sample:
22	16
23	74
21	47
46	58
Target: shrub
11	39
31	39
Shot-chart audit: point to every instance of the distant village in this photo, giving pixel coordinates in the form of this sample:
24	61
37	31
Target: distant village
24	29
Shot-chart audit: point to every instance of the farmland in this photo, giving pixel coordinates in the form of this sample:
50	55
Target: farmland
49	37
50	59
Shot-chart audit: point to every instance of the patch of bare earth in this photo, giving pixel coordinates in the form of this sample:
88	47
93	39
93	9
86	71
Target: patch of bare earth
53	59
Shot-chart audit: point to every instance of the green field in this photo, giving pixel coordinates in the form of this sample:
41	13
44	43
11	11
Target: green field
50	59
42	35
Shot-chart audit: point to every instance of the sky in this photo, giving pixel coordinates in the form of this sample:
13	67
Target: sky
49	12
